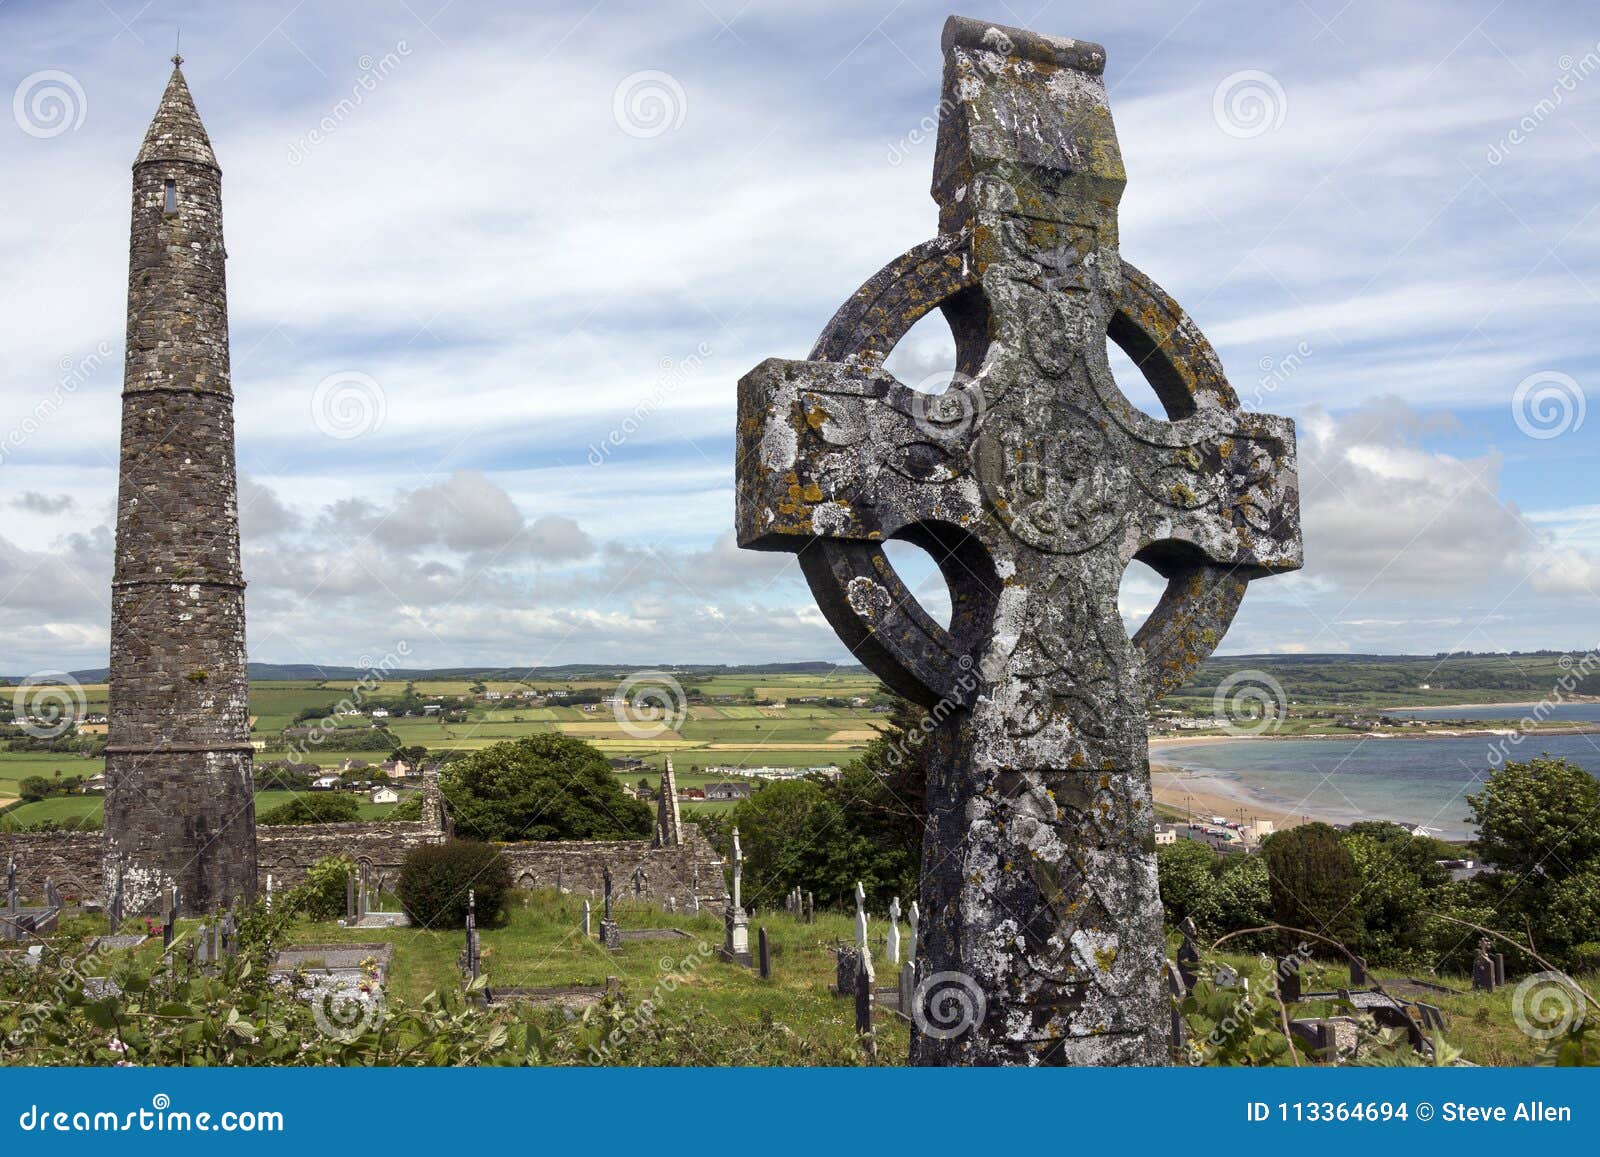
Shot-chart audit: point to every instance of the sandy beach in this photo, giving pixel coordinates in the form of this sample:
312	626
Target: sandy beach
1207	794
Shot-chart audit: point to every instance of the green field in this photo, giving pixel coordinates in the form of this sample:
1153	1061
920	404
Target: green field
74	809
705	735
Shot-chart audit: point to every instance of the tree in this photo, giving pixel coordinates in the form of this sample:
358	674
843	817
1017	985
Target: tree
541	787
1394	892
1187	875
823	835
1538	820
34	788
322	808
1313	883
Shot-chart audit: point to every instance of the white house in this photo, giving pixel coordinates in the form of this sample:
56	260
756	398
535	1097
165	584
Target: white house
380	713
325	783
385	795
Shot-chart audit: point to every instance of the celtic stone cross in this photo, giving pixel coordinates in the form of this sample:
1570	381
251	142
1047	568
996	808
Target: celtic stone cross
1033	483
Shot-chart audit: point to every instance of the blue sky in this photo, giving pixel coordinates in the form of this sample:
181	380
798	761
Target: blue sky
495	269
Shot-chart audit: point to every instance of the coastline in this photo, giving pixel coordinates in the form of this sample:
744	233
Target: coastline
1207	794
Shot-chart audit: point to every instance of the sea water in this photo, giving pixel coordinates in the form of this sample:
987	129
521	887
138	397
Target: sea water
1411	781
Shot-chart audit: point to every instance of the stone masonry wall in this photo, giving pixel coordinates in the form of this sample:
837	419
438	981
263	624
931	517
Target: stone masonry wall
73	859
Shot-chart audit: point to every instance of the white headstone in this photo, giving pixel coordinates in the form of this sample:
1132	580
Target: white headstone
915	920
894	932
738	865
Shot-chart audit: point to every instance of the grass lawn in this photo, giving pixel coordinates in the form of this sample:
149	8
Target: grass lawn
542	944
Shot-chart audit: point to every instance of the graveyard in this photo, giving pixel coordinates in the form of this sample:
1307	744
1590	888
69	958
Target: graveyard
685	1005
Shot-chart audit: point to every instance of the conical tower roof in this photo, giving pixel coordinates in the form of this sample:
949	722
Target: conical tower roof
176	133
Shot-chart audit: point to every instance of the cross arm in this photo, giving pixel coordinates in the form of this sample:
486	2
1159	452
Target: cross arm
842	450
1223	486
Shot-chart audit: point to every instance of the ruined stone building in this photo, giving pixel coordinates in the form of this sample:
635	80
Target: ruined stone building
179	800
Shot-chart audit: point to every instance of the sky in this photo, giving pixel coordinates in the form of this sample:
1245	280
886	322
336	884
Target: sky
495	269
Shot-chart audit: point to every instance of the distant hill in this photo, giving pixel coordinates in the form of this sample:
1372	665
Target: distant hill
566	671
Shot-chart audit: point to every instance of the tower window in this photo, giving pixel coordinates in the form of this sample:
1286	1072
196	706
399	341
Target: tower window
172	197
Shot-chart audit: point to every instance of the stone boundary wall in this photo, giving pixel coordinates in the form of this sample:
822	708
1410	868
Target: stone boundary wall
74	859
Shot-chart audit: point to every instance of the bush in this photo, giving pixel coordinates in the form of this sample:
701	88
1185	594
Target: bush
324	889
435	878
326	808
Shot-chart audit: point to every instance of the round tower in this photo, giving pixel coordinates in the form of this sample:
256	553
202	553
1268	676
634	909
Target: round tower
179	793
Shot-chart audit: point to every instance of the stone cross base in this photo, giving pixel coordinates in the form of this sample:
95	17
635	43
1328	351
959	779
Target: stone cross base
610	935
736	948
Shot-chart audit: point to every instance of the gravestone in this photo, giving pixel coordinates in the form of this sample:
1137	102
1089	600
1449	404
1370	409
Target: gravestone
1358	973
470	958
811	909
1189	954
1177	990
915	920
350	896
736	942
861	916
269	892
559	888
610	934
1035	483
866	981
764	953
1483	969
586	930
1499	968
908	987
52	895
169	920
845	969
892	950
1289	979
